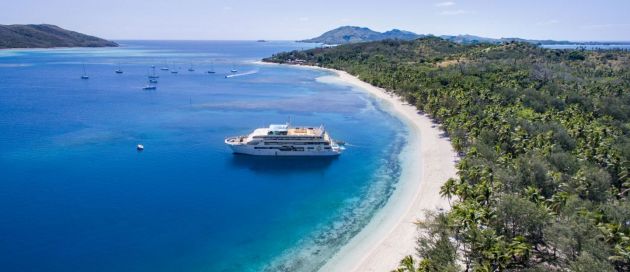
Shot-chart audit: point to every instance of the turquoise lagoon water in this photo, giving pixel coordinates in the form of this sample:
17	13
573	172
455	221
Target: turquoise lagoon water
75	195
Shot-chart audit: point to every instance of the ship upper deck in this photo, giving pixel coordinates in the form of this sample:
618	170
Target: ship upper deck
305	131
285	130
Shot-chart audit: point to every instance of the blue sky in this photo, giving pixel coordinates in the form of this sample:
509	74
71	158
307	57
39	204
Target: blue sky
289	20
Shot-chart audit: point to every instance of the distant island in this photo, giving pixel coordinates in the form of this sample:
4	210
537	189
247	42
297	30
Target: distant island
47	36
355	34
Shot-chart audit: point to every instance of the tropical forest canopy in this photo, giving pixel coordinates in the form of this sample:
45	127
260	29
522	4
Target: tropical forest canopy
544	139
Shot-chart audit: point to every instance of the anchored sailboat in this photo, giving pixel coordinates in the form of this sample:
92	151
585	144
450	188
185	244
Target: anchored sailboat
211	71
119	71
84	76
174	71
153	75
165	67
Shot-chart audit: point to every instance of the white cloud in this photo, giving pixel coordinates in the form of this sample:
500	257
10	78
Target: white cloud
455	12
548	22
444	4
303	19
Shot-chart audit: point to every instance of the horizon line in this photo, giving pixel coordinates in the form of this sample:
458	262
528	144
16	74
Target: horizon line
298	40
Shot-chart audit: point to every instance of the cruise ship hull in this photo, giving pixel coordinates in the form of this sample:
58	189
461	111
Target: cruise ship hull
250	150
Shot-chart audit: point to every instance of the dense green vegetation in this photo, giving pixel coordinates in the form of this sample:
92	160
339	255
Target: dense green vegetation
45	36
544	139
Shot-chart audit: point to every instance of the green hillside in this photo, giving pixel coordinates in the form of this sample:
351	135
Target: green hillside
46	36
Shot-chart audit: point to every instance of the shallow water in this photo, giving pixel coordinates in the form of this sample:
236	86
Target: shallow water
75	195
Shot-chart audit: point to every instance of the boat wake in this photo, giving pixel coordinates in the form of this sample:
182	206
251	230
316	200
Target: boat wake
242	74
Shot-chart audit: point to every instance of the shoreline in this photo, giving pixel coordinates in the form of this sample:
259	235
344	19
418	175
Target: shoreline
427	161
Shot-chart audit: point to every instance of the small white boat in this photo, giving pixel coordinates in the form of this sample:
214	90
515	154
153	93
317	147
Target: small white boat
140	147
233	70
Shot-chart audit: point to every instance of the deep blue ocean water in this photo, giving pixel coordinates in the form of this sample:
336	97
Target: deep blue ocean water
75	195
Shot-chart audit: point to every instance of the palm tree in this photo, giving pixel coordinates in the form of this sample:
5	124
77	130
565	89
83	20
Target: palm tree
533	194
448	189
407	264
557	201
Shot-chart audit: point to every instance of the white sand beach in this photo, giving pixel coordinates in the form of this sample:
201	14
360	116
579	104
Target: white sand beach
428	160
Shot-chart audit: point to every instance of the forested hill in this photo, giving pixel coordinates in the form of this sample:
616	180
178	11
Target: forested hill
354	34
544	138
46	36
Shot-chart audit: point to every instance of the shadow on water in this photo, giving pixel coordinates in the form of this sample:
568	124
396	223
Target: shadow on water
271	165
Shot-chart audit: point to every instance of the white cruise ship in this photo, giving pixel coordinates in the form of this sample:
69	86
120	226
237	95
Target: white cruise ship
285	140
